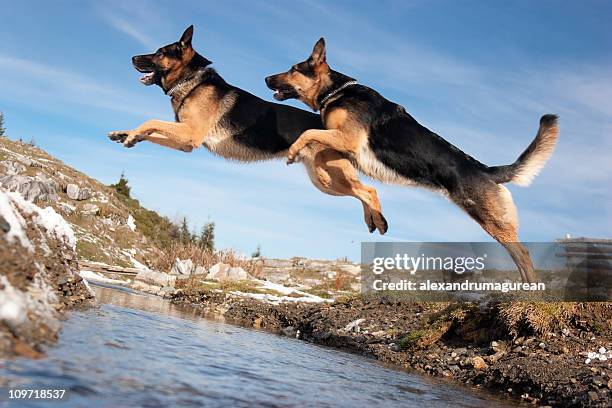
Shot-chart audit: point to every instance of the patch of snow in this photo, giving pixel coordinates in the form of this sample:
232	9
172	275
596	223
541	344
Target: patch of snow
13	309
52	222
287	291
56	225
9	211
266	297
96	277
130	223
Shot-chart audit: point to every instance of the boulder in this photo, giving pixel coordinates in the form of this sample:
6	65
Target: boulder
75	192
84	194
34	189
199	270
224	272
236	274
180	267
156	278
72	190
218	271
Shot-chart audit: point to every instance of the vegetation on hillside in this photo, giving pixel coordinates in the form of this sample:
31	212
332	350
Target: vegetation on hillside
2	128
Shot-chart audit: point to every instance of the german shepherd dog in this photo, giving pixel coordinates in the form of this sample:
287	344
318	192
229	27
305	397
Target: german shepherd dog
238	125
388	144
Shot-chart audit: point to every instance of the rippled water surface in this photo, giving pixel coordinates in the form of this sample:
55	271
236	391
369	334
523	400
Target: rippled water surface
138	350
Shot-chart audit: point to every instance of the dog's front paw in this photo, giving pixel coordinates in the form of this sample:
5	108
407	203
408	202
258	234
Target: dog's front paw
132	139
118	136
293	155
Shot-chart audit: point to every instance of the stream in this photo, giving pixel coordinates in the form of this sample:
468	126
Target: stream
141	351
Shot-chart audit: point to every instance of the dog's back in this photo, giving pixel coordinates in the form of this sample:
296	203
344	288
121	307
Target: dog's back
266	126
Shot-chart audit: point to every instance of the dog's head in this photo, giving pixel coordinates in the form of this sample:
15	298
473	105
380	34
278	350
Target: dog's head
305	80
170	63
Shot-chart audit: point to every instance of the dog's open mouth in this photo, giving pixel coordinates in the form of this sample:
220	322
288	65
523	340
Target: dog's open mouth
148	78
282	94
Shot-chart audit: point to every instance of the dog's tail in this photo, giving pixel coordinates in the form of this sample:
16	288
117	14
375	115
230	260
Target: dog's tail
529	164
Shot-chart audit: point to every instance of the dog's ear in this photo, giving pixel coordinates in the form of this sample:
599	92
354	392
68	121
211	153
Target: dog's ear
318	53
185	40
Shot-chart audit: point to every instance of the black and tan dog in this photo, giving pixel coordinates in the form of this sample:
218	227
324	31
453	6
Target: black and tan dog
238	125
388	144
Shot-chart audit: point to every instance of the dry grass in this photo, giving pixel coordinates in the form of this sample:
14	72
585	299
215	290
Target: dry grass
206	258
537	317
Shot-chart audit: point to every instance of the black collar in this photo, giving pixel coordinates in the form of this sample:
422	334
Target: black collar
322	100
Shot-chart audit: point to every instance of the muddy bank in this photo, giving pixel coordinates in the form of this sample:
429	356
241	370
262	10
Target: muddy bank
528	351
39	278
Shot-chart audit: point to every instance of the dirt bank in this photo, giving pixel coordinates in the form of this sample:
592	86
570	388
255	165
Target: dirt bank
39	277
531	351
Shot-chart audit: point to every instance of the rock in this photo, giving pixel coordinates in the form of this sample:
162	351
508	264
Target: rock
84	194
75	192
4	225
156	278
13	167
199	270
34	189
72	190
181	267
478	363
236	274
593	395
90	209
289	331
218	271
66	208
223	272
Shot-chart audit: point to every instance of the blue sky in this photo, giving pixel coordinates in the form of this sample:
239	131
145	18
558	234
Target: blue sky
478	73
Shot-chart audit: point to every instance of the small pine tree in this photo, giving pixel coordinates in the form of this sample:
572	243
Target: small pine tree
122	186
207	236
184	234
257	252
2	128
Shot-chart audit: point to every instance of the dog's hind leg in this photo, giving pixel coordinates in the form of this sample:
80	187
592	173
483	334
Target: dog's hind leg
493	208
334	174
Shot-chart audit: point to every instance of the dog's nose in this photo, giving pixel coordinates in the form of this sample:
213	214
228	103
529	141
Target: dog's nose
134	59
268	80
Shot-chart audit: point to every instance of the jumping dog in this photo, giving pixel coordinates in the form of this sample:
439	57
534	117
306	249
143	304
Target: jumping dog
237	125
388	144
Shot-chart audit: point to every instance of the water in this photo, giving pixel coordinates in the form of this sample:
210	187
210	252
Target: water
140	351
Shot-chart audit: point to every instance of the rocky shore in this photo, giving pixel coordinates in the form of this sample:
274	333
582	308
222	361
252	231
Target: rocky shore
39	279
542	353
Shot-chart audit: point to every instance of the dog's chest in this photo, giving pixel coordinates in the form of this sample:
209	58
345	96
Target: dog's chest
223	143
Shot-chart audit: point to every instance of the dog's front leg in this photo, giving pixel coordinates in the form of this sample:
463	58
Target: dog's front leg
332	138
175	135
